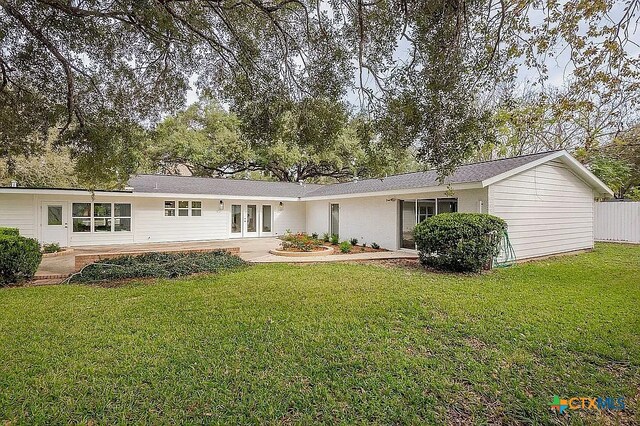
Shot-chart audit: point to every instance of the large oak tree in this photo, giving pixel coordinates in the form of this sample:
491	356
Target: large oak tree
98	70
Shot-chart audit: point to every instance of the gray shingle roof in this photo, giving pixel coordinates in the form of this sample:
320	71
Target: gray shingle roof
469	173
166	184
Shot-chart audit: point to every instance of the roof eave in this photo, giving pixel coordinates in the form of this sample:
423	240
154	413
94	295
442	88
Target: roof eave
62	191
213	196
395	192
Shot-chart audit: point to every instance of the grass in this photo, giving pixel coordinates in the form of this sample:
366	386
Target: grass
333	343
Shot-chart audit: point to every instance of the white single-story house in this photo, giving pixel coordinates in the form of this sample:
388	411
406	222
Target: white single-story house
547	200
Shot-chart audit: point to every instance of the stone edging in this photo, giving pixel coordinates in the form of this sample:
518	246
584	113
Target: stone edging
326	252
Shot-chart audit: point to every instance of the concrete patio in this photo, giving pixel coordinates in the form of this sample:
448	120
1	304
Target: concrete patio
254	250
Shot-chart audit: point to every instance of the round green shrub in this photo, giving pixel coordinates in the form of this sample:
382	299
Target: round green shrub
460	242
19	258
345	247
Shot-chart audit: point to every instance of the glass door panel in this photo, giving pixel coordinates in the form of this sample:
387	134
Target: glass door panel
251	229
266	219
407	223
236	219
335	219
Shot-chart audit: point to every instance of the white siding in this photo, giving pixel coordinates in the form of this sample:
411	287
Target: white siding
617	221
91	238
375	219
291	217
548	209
151	225
19	211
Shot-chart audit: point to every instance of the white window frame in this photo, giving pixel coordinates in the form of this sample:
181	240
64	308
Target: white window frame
177	209
114	217
92	217
198	209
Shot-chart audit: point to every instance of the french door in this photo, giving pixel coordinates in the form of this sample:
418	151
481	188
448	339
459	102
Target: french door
251	220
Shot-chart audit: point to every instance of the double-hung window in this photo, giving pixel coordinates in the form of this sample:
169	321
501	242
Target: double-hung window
121	217
196	208
169	208
101	217
81	215
182	208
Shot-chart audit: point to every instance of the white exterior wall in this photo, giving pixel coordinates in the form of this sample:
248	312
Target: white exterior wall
148	224
376	219
87	238
151	225
548	209
291	217
19	211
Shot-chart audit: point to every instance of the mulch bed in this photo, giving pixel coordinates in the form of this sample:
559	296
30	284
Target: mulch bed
354	249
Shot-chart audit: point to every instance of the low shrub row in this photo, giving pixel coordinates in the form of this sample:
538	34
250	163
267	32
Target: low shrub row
19	257
158	265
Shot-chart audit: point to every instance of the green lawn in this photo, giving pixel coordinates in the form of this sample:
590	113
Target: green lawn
328	343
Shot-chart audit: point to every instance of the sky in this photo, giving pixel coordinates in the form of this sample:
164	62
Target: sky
559	67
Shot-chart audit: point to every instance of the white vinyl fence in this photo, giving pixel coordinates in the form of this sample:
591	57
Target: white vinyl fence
617	221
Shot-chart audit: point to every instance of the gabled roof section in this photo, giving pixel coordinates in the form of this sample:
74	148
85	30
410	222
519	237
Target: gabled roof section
564	157
168	184
466	174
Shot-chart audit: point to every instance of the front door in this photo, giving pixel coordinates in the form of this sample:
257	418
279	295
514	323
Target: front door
246	220
251	220
54	223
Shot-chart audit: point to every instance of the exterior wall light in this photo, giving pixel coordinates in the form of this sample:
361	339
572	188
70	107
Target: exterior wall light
221	206
281	206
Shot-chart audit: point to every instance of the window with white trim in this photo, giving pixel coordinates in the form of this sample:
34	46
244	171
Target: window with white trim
182	208
101	217
81	216
169	208
196	208
121	217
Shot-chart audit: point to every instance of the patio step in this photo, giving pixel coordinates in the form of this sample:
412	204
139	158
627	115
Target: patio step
49	276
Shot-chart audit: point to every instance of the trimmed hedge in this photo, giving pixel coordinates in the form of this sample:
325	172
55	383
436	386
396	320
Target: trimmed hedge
157	265
9	231
19	257
460	242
